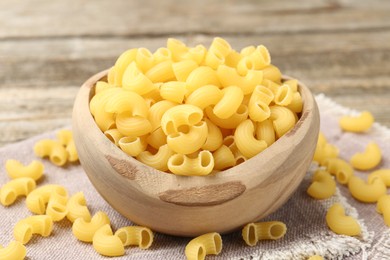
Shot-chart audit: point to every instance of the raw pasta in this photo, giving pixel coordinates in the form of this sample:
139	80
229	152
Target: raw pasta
323	185
84	230
14	251
105	243
366	192
341	224
369	159
77	208
38	224
10	191
360	123
135	236
199	247
254	232
16	169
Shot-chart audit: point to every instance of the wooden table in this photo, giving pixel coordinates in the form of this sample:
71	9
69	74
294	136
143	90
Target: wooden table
49	48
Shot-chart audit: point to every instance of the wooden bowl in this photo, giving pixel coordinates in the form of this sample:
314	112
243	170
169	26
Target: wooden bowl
190	206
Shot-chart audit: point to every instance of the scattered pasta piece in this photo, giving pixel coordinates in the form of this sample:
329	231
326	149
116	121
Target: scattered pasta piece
52	149
77	208
341	224
105	243
316	257
369	159
366	192
38	224
324	150
323	185
383	207
14	251
84	230
199	247
15	188
384	174
358	124
16	169
64	136
254	232
340	168
135	236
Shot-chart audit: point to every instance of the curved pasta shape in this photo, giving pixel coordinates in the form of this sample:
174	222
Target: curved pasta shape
214	137
228	105
284	95
248	145
181	164
64	136
10	191
283	120
181	115
205	96
262	93
265	131
201	76
37	199
77	208
315	257
246	51
323	186
113	135
254	232
173	91
369	159
38	224
134	80
190	142
126	101
16	169
213	59
122	63
56	207
199	247
144	59
223	158
161	72
229	77
233	58
384	174
196	54
102	86
85	230
231	122
293	84
183	69
272	73
133	146
132	126
158	160
273	86
14	251
324	152
366	192
340	168
104	120
177	48
296	104
259	111
135	236
52	149
220	45
162	54
111	76
105	243
358	124
341	224
157	138
383	207
73	156
157	111
99	100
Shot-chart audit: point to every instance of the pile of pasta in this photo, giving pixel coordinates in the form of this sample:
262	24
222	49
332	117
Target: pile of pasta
193	110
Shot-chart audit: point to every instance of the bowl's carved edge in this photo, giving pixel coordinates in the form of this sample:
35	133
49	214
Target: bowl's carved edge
298	124
209	195
122	167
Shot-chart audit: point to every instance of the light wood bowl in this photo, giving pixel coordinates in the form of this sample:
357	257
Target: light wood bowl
190	206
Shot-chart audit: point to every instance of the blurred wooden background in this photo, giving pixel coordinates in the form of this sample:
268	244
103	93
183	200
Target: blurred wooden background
49	48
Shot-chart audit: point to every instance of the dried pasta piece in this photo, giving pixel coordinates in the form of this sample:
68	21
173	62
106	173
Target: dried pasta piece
14	251
135	236
246	143
366	192
10	191
341	224
315	257
181	164
369	159
199	247
77	208
16	169
52	149
254	232
105	243
384	174
383	207
340	168
323	185
38	224
358	124
85	230
283	120
38	200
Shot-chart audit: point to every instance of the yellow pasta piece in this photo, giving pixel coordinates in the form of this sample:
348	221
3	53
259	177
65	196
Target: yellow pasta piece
262	93
132	126
383	207
201	76
296	104
369	159
105	243
85	230
126	101
52	149
283	120
157	138
158	160
181	164
102	86
157	111
37	200
144	59
99	100
341	224
324	152
104	120
38	224
231	122
232	59
162	54
248	145
229	77
315	257
213	59
284	95
273	86
358	124
223	158
259	111
214	137
177	48
265	131
272	73
254	232
64	136
174	91
384	174
221	45
121	65
111	76
366	192
189	141
14	251
134	80
229	103
196	54
56	207
161	72
261	57
340	168
246	51
10	191
135	236
205	96
133	146
113	135
16	169
181	115
199	247
183	69
77	208
73	156
323	185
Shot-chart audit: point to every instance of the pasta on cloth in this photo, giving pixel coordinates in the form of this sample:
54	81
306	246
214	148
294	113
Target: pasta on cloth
307	231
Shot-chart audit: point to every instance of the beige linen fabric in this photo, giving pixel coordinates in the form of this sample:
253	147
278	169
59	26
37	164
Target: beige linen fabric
307	232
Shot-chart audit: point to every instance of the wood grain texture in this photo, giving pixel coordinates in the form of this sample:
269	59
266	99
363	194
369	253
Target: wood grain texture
49	48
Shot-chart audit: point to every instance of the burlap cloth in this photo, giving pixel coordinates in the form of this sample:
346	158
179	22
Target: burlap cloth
307	232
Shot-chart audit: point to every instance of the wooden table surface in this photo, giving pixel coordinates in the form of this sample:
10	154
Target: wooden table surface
49	48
